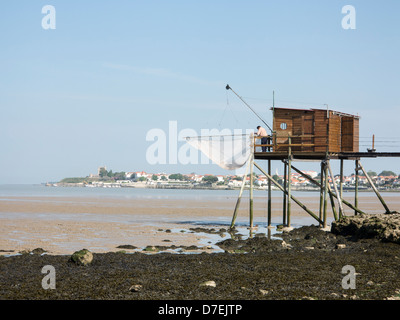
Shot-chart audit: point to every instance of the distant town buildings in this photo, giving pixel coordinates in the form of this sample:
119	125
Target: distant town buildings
135	178
261	180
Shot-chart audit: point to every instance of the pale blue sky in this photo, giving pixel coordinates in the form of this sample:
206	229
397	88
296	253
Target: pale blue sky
86	93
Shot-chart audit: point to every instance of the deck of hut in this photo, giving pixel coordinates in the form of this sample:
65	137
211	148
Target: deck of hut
312	134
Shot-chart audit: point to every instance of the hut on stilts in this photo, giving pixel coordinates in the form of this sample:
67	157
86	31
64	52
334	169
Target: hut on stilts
319	135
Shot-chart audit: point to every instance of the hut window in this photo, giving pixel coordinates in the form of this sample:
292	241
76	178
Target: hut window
283	126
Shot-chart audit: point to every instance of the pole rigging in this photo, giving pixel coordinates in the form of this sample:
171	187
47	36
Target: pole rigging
228	87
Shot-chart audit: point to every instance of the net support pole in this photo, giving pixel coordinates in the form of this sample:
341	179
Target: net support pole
240	196
251	190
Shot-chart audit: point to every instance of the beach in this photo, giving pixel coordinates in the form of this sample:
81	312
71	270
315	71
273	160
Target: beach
63	220
190	245
304	266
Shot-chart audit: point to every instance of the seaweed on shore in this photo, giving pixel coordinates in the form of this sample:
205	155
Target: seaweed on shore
305	263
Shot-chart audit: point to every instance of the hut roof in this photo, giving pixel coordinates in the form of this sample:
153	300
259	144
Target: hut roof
312	109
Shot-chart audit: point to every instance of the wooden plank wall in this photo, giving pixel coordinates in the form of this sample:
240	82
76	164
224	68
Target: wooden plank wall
347	134
356	135
294	120
283	116
308	131
297	130
334	134
320	130
335	139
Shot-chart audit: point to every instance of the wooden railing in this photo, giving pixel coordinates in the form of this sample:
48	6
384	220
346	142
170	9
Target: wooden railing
273	145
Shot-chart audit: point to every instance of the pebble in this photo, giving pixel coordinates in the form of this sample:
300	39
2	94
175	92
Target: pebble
264	292
136	288
286	245
396	296
208	284
150	249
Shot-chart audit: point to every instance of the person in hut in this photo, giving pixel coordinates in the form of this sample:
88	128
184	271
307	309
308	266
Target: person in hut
262	134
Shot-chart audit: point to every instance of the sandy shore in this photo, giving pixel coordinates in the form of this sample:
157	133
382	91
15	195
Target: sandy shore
305	264
62	225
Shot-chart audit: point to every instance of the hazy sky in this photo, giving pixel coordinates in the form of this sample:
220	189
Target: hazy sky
86	93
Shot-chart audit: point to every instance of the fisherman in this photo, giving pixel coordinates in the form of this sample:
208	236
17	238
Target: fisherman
262	133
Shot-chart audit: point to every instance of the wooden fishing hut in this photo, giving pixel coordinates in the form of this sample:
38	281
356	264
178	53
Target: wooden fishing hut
312	134
315	130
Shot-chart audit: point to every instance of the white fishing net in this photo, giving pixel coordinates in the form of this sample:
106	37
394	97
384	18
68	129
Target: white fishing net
230	152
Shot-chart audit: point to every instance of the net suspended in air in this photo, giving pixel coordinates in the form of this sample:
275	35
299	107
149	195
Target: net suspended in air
230	152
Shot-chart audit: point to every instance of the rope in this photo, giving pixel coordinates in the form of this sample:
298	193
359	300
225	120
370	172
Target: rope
228	106
228	87
219	136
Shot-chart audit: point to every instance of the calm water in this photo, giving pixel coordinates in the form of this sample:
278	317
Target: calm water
117	193
27	190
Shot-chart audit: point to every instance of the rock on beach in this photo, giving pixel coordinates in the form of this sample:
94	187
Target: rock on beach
385	227
82	257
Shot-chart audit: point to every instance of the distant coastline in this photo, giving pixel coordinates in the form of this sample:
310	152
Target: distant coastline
386	181
190	186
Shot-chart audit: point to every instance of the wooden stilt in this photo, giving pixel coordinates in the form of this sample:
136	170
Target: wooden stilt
325	194
269	196
374	188
239	197
251	232
339	196
284	192
319	185
289	186
251	192
321	192
332	203
341	214
291	196
356	188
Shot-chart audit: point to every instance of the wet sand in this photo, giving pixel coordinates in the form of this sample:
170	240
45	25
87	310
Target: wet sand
62	225
303	264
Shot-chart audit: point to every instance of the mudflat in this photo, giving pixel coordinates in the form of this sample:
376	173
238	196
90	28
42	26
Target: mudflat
62	225
131	240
